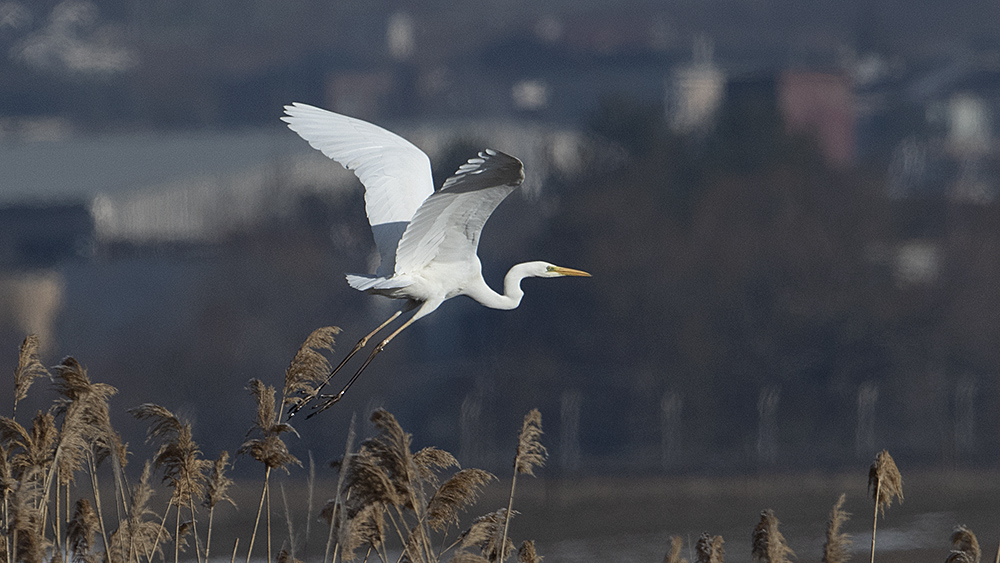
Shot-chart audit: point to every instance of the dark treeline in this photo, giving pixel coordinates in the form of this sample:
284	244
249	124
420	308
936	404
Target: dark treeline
750	306
769	297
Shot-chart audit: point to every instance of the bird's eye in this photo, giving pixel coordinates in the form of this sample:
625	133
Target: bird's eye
550	268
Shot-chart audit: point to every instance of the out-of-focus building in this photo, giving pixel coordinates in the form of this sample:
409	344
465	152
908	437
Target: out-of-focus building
400	36
34	239
970	141
30	302
950	150
969	123
360	94
695	92
820	104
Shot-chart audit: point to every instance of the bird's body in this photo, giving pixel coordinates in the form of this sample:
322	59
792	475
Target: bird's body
427	240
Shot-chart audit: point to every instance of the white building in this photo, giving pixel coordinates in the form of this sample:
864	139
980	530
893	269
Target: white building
695	91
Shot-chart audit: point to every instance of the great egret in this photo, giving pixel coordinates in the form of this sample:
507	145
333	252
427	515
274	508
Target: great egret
427	239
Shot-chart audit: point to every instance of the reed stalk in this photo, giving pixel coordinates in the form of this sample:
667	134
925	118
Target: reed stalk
885	483
217	491
260	508
530	454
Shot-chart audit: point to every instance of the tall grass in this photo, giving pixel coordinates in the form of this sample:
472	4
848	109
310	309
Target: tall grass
389	499
530	454
388	496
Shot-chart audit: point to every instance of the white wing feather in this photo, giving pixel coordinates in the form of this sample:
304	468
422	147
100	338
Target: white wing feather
395	173
446	227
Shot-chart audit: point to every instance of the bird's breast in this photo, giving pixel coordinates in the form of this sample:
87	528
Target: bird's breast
439	281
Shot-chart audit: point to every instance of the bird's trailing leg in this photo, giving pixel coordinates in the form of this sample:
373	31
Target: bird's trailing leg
361	344
331	399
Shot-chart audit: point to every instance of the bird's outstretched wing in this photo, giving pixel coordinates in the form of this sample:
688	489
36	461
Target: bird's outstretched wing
395	173
446	227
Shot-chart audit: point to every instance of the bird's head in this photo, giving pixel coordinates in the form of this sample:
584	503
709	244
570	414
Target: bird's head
546	270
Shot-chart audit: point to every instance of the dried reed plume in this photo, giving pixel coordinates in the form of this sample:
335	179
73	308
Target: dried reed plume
458	492
86	439
884	483
86	435
178	455
838	544
217	490
368	481
964	546
183	531
486	533
81	532
285	557
363	526
391	453
309	369
385	486
180	458
709	549
530	451
25	472
769	544
86	421
408	473
530	454
29	368
674	555
270	450
141	533
26	524
526	553
371	480
31	451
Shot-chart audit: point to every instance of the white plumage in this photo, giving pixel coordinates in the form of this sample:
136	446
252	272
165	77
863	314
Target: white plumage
427	240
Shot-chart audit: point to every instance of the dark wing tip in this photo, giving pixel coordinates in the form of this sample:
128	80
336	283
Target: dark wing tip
490	168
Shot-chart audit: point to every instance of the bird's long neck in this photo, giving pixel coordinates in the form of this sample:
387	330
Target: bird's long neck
512	292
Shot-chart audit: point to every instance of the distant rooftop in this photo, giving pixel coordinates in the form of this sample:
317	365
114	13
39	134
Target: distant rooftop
197	186
78	169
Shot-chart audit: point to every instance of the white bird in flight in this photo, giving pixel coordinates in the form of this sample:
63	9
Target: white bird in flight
427	239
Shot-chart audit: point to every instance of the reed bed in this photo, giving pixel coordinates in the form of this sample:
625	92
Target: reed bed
390	503
389	499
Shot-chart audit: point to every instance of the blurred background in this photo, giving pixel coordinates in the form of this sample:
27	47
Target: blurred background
789	208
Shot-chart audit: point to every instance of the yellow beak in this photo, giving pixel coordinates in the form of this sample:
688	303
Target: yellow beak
570	272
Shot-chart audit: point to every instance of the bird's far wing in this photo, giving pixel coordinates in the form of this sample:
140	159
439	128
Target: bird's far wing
395	173
446	227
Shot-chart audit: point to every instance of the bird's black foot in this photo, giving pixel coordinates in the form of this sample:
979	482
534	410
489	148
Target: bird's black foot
302	402
329	402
